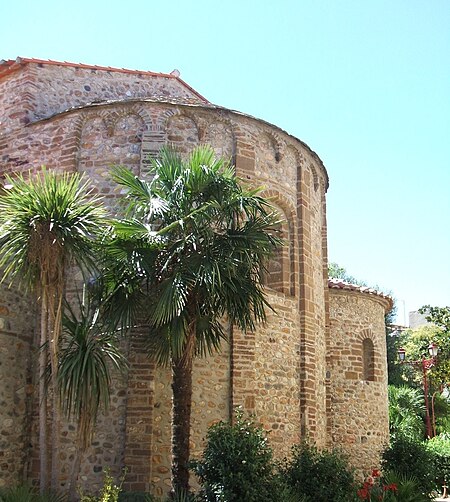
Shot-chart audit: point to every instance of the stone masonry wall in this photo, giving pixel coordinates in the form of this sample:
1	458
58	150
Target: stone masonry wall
277	372
359	409
16	337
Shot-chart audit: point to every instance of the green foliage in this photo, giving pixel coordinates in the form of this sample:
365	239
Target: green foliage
110	491
439	447
88	356
440	316
236	464
438	332
396	370
335	271
314	474
406	411
197	240
136	497
441	412
25	493
408	457
56	211
391	487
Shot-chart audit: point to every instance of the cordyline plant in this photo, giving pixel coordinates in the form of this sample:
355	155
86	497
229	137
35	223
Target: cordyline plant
191	250
47	223
89	354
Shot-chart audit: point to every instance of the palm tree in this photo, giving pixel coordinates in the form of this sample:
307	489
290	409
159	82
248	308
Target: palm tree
46	224
88	353
197	240
406	411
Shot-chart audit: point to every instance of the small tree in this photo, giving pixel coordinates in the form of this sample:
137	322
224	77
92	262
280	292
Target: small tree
88	356
47	223
236	464
197	241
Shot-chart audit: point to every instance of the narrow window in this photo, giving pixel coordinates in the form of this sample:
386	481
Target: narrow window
368	360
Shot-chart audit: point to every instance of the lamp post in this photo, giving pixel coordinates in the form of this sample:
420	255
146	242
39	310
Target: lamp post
425	364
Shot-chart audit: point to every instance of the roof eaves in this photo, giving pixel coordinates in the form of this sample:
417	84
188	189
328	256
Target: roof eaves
347	286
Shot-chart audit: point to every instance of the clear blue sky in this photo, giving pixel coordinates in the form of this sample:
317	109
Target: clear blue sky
365	83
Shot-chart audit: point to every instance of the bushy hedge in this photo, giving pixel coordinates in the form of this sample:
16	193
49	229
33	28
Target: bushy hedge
315	475
409	457
237	465
439	448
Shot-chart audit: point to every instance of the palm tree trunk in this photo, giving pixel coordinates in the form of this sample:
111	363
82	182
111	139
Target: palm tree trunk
56	309
79	451
43	450
181	415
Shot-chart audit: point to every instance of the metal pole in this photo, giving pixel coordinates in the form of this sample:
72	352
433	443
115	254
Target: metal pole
427	405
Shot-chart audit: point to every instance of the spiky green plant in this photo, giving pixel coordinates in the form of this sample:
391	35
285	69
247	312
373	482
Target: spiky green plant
47	222
197	241
89	355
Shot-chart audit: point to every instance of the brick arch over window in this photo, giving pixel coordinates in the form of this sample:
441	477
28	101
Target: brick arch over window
219	134
282	268
368	355
182	132
368	360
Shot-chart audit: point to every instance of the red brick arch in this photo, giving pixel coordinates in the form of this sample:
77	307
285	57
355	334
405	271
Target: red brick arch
288	252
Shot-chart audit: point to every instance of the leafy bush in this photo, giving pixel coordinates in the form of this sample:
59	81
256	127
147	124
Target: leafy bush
110	490
406	412
314	474
237	464
410	458
439	447
408	489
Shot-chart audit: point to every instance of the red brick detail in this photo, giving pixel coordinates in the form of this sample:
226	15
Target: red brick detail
139	421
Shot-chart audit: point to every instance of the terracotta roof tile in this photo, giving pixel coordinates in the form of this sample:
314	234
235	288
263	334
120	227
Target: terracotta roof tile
346	286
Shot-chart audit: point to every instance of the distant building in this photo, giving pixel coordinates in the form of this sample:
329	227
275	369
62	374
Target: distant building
416	320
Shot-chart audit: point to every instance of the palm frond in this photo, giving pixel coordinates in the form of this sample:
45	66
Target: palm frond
88	356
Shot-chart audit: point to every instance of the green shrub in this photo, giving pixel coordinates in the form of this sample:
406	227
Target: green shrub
314	474
408	489
408	457
236	465
439	447
110	490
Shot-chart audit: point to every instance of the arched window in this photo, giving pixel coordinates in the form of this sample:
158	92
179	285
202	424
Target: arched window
368	360
275	273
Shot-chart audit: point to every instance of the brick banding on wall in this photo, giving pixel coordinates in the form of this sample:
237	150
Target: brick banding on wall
300	373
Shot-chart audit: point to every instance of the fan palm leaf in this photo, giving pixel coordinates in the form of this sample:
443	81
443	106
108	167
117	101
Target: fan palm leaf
210	237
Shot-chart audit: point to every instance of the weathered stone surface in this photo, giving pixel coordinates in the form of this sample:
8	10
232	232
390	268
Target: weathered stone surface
359	410
301	374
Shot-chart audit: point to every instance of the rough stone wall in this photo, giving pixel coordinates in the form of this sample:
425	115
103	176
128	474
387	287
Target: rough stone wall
15	106
210	403
16	336
56	88
359	409
277	372
277	366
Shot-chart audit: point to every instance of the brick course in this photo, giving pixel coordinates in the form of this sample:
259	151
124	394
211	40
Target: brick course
294	373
